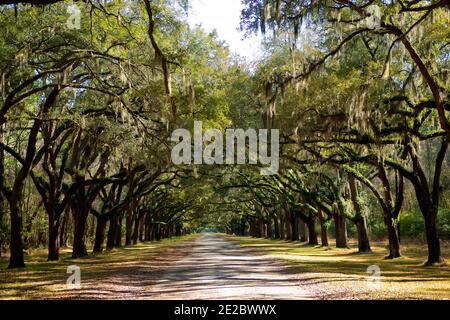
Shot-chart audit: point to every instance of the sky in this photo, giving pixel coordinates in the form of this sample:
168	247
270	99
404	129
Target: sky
224	16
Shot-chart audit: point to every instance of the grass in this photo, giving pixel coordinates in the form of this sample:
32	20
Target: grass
46	280
342	273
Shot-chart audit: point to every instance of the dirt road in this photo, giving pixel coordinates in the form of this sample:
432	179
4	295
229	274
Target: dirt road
206	267
217	268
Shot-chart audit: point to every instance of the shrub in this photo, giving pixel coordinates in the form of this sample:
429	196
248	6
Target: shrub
444	223
412	224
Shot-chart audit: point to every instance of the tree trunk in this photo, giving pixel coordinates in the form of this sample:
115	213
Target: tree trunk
142	229
53	241
323	235
257	228
79	246
129	224
360	219
251	228
158	232
294	226
341	231
429	200
1	227
242	227
394	239
146	231
2	197
118	235
16	246
178	230
276	228
434	247
14	197
323	230
2	214
111	235
283	231
64	227
363	238
91	227
99	235
303	231
152	232
135	234
312	234
269	230
128	231
262	228
287	226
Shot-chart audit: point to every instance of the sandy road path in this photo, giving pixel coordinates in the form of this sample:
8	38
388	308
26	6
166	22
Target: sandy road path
206	267
217	268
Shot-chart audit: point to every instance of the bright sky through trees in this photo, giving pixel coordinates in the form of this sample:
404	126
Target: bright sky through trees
224	17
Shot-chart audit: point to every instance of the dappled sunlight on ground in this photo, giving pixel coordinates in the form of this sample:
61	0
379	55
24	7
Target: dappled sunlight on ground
121	273
216	266
345	270
220	269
